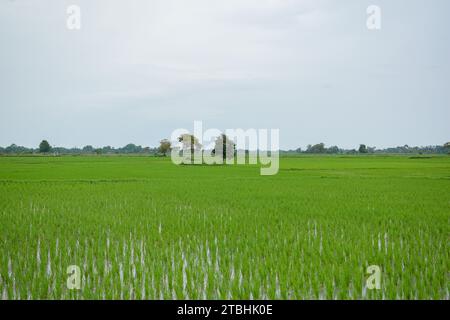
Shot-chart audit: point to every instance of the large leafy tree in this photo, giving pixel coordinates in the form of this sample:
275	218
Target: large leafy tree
44	146
164	147
190	142
227	146
362	148
317	148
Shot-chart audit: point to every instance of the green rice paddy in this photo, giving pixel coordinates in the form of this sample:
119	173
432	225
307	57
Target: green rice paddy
144	228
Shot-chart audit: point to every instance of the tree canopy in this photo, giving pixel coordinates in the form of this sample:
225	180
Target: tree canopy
226	146
44	146
164	146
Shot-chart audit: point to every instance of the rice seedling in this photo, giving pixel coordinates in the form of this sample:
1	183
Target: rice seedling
143	228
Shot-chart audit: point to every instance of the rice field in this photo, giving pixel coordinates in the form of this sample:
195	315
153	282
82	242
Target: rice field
143	228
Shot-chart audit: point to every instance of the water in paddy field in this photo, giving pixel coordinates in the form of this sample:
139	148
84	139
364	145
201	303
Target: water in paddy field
207	234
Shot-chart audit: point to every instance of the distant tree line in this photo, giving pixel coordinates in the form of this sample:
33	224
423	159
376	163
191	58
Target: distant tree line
228	149
320	148
45	148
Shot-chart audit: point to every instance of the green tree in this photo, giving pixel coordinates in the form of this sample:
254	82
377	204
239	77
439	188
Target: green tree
131	148
333	149
164	146
362	148
191	143
317	148
44	146
447	147
88	149
227	146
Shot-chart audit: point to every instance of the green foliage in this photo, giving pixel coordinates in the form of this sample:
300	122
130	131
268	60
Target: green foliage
190	144
143	228
44	146
333	150
447	147
88	149
132	148
362	148
226	146
164	147
317	148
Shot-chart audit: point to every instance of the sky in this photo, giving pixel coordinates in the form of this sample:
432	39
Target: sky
139	69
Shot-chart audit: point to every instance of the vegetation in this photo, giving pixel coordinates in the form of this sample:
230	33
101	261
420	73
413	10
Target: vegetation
164	147
363	148
320	148
192	142
141	227
225	146
44	146
89	149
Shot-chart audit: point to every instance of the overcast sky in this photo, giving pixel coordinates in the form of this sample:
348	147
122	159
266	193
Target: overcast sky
139	69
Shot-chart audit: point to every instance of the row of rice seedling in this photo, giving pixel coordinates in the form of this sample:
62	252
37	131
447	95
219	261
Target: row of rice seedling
225	233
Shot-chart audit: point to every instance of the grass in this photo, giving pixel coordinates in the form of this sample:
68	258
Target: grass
143	228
